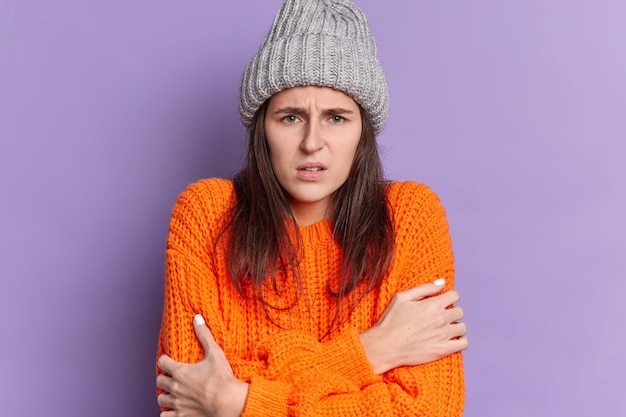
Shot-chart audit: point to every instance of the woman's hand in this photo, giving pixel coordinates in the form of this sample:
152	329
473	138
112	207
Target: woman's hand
207	388
417	327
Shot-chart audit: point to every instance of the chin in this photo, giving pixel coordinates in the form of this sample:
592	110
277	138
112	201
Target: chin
309	197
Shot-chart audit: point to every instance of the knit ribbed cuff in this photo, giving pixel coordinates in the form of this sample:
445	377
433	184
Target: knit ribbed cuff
345	356
341	360
267	398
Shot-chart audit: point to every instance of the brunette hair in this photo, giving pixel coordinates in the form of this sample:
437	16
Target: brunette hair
262	238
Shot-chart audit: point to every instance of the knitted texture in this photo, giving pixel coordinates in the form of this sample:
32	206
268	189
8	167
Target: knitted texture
290	371
317	42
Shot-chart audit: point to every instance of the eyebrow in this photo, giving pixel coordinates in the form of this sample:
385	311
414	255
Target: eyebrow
300	110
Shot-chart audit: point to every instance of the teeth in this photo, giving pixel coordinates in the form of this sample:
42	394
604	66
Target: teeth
312	169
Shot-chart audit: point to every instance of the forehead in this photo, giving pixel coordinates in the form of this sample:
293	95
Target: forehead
312	95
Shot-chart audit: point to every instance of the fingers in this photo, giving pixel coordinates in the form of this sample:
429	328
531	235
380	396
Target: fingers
430	290
456	334
448	298
164	382
454	314
451	346
459	344
460	329
165	400
203	333
422	291
166	364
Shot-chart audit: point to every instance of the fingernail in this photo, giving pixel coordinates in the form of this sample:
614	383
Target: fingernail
198	320
439	282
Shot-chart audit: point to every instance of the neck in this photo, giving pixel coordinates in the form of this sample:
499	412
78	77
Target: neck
307	214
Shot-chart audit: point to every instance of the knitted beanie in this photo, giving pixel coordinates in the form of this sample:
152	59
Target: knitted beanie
317	42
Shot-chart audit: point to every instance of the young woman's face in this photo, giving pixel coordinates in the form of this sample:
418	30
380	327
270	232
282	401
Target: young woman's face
312	134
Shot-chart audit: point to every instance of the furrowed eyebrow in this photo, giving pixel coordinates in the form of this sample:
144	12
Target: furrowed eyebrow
338	110
290	110
299	110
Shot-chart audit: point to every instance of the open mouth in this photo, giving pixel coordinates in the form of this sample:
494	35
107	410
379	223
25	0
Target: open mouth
311	171
311	167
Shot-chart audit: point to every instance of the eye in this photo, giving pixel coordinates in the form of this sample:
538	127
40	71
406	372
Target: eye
337	119
290	119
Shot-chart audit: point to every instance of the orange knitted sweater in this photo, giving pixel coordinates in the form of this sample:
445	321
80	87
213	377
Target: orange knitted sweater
290	371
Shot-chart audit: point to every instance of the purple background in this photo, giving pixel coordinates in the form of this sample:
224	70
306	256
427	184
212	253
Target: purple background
512	111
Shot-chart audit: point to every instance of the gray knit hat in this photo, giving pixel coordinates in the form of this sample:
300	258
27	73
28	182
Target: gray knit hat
317	42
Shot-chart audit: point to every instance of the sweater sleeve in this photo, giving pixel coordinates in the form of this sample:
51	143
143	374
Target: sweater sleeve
186	271
431	390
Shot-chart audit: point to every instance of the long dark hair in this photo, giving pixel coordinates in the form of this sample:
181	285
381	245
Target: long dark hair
262	238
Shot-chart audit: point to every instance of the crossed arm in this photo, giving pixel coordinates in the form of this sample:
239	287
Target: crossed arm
408	363
418	327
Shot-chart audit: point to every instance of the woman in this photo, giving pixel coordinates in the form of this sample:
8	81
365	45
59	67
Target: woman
326	291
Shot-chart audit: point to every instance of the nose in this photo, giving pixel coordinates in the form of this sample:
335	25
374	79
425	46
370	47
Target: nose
313	140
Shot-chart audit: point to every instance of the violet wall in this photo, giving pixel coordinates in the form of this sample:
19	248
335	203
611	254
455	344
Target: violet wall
514	112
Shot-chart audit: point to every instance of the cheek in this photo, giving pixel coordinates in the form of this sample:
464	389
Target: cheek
350	152
273	152
273	161
345	162
279	161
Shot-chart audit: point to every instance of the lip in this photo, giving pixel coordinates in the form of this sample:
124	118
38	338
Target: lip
311	171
